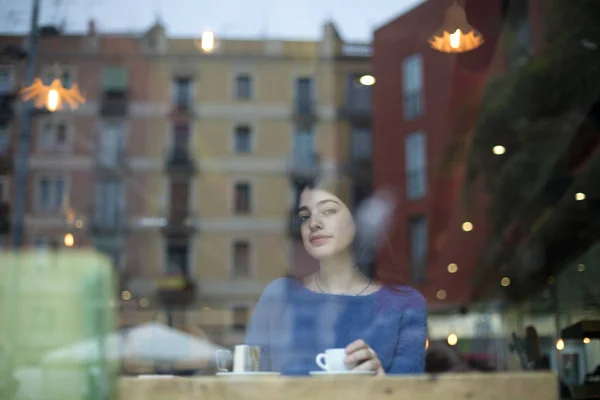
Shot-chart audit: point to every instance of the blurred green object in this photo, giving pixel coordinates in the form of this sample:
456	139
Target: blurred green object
53	299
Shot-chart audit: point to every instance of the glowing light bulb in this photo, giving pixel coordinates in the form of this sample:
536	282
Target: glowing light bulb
579	196
452	339
52	101
208	42
455	39
367	80
452	268
426	343
126	295
69	240
560	344
499	150
586	340
467	226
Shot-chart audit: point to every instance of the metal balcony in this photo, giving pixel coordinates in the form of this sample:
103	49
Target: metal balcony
175	290
304	113
180	224
100	225
182	108
180	162
357	113
114	104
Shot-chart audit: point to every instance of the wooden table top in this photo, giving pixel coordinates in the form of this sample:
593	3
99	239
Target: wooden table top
485	386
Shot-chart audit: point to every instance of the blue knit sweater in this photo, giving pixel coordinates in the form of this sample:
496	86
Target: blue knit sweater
293	324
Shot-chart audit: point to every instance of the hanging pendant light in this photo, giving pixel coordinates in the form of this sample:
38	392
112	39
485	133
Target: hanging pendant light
53	97
456	35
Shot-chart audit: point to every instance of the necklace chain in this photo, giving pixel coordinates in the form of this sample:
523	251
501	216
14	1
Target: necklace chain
358	294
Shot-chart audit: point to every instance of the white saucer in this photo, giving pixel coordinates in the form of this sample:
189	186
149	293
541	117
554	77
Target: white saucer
255	373
331	373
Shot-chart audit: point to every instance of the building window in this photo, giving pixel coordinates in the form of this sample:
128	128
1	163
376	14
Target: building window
242	193
240	318
115	80
111	144
412	86
243	87
416	165
304	95
4	137
177	259
5	80
241	259
418	248
242	140
362	144
358	96
50	193
109	203
303	155
182	94
54	136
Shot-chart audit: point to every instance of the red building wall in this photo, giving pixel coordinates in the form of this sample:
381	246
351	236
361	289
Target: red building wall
453	87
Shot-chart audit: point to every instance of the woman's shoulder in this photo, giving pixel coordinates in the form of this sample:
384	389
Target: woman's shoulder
402	297
279	287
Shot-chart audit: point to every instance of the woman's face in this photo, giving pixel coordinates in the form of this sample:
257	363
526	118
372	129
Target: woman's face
327	225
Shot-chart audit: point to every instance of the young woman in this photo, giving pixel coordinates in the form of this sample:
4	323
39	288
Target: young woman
382	326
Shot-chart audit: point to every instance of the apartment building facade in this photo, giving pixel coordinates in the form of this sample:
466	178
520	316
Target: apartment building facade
183	167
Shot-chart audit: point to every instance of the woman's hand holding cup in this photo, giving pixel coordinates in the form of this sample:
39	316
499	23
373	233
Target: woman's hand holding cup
361	357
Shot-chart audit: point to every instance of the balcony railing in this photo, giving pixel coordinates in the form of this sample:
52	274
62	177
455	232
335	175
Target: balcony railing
181	223
114	104
175	290
304	113
182	106
359	112
180	161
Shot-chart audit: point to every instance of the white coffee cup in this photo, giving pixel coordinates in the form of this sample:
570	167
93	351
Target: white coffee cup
332	360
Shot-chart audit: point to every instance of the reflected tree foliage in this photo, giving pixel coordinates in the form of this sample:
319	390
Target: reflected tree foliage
536	110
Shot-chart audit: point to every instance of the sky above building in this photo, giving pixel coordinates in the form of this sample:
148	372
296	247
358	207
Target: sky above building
284	19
